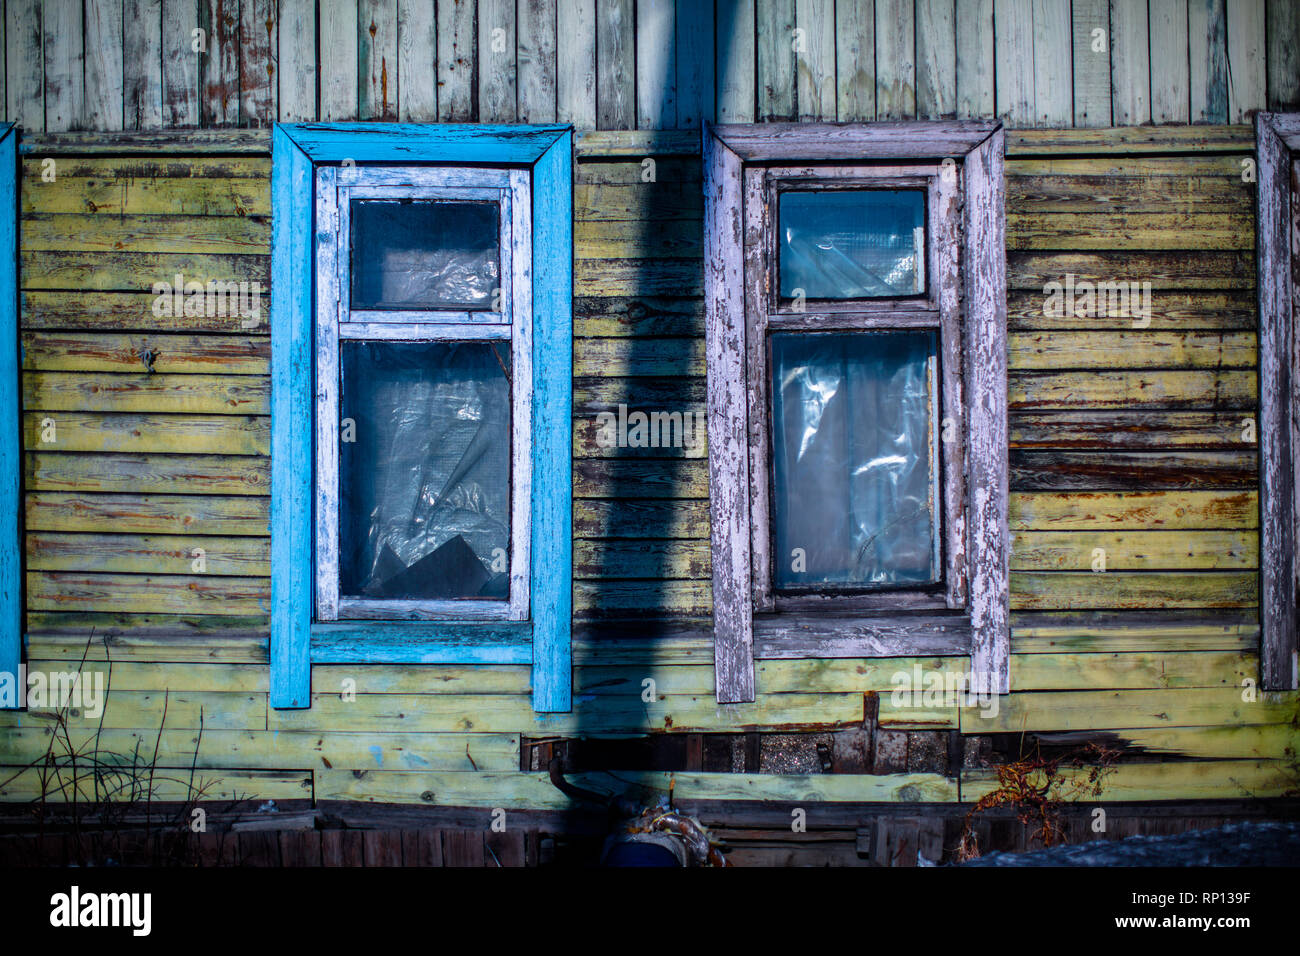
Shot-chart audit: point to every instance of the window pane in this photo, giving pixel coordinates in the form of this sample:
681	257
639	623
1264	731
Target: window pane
852	244
424	496
413	255
854	460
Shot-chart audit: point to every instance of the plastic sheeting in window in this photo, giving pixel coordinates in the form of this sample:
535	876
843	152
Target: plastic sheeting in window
424	498
852	243
424	255
854	460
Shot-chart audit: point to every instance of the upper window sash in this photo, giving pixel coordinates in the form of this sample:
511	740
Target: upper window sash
939	185
499	313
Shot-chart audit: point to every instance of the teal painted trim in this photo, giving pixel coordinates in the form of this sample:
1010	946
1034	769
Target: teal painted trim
552	489
545	640
11	444
505	642
397	143
292	199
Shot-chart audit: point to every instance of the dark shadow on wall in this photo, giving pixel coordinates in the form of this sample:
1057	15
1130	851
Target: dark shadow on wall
641	528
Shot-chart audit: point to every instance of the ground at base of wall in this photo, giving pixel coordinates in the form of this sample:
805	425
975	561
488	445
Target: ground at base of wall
1253	843
345	834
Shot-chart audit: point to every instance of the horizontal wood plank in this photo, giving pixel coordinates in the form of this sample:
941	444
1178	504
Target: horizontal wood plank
1133	590
148	474
147	514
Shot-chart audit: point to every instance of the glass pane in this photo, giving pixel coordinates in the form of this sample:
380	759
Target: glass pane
416	256
854	460
424	496
852	244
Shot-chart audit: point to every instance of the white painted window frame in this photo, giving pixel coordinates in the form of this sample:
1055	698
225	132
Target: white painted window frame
510	189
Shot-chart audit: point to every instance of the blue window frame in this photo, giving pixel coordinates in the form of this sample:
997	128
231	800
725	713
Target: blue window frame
11	447
542	638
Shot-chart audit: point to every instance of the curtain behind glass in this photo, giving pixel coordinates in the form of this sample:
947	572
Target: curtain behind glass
425	487
854	476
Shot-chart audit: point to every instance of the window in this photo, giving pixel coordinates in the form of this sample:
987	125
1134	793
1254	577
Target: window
1277	139
424	392
421	400
857	394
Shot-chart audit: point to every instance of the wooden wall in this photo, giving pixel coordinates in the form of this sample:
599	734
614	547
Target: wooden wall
1125	439
645	64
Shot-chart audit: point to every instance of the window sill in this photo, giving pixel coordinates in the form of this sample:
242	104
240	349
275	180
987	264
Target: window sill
406	642
860	634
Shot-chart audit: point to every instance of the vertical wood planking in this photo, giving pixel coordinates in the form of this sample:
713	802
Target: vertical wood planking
1170	82
575	66
180	63
736	70
496	61
1091	32
776	94
1014	60
855	60
219	89
656	64
142	97
257	62
936	59
975	59
1053	104
815	60
1283	30
104	82
456	42
895	60
535	60
338	60
65	91
417	96
615	65
1246	68
296	61
24	64
1130	63
377	80
1208	56
695	65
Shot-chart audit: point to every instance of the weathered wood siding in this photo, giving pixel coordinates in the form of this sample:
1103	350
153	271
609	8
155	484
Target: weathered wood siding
643	64
1133	440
